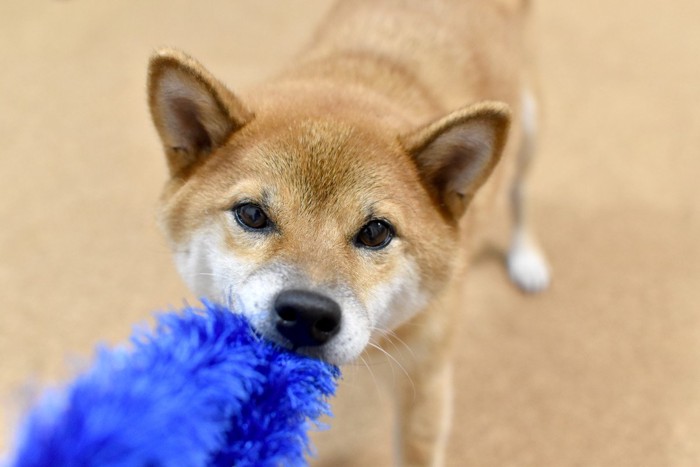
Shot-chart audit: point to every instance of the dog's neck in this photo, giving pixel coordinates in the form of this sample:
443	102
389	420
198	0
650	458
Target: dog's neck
390	81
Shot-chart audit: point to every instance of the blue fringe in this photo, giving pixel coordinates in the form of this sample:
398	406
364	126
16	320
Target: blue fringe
201	389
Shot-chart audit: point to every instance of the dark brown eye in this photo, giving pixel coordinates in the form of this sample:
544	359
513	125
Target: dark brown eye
375	234
251	216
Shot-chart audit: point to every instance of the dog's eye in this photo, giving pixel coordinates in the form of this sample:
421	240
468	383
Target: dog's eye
375	234
251	216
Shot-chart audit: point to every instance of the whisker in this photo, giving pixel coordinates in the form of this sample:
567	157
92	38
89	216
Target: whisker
393	344
390	336
210	274
374	378
392	358
386	356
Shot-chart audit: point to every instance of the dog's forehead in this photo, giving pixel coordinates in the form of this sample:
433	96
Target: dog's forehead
323	162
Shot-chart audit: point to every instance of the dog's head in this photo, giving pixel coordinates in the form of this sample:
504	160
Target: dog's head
306	210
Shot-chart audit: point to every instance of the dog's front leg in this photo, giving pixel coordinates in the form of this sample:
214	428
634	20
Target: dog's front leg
424	397
424	416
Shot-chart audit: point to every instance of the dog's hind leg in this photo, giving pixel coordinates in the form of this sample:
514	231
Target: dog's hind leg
527	265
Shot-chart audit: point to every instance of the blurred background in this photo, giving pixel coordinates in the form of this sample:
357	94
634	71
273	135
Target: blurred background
602	370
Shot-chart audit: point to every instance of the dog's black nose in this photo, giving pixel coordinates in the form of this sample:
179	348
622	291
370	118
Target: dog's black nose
306	318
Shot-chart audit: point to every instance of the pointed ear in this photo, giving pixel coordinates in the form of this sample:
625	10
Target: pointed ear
456	154
193	112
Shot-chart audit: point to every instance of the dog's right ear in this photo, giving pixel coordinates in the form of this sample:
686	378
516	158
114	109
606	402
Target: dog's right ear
193	112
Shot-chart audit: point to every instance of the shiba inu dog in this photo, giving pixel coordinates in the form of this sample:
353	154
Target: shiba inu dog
338	202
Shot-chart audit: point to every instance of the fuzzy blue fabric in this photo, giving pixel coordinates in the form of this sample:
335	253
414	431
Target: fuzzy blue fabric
201	389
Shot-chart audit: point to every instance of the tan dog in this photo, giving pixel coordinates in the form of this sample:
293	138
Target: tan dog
338	202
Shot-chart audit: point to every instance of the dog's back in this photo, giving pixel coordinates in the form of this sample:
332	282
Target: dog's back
455	51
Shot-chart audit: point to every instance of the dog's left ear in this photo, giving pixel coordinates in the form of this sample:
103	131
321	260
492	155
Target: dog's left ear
456	154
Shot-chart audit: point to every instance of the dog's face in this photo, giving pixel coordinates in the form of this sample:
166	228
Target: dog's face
323	226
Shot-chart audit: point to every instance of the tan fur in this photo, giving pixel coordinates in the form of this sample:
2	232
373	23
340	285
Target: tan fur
371	121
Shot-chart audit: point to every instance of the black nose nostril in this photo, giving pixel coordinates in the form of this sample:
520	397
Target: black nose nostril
307	318
287	314
326	325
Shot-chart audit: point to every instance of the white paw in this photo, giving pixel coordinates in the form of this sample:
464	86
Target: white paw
527	267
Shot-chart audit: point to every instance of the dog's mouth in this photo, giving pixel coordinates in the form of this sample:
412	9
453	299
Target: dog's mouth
339	350
342	348
327	352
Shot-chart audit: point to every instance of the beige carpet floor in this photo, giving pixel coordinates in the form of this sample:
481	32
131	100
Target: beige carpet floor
602	370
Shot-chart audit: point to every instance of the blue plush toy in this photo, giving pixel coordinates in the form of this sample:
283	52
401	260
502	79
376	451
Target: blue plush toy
201	389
